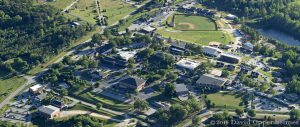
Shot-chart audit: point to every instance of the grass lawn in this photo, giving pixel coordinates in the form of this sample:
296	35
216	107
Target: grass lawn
190	22
61	4
87	108
8	86
85	10
115	10
106	102
225	100
268	74
199	37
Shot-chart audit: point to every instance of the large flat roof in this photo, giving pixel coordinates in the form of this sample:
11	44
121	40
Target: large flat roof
49	109
231	55
188	63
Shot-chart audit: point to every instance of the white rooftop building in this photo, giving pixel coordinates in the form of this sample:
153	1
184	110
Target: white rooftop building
148	29
231	17
36	88
212	51
188	64
126	55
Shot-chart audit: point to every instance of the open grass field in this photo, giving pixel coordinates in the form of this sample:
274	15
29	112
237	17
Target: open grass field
61	4
9	85
198	37
191	22
115	10
85	10
225	100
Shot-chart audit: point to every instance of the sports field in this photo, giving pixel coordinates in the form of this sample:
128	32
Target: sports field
195	29
199	37
193	23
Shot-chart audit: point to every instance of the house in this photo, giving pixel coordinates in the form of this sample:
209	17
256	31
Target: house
212	51
177	47
248	46
230	58
36	89
49	111
208	80
132	83
187	64
182	91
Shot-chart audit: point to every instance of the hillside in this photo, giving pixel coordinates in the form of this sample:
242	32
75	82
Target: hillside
32	33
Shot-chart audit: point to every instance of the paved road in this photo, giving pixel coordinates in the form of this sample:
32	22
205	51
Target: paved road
12	95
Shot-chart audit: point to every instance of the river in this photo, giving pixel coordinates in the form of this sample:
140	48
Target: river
279	36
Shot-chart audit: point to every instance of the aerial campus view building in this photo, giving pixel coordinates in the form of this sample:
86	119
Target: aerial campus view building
149	63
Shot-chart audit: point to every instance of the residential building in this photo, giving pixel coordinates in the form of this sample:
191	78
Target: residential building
248	46
36	89
187	64
208	80
230	58
182	91
177	47
212	51
49	111
132	83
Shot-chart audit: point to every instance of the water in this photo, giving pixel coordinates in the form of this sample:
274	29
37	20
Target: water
279	36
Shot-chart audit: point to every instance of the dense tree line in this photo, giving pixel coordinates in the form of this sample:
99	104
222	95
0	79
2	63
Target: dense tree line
283	15
76	121
33	33
177	112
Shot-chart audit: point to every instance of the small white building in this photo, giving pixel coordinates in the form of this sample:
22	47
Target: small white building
49	111
36	89
148	29
187	64
212	51
231	17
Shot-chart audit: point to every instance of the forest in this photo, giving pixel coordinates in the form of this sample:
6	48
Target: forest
31	34
283	15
